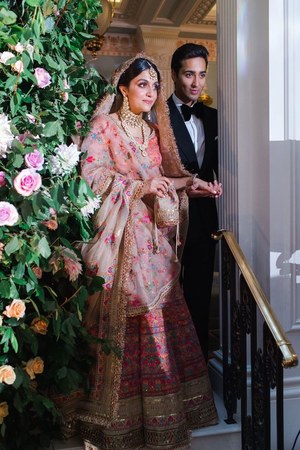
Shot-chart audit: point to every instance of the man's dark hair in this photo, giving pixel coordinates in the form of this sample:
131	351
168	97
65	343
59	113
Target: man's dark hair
188	51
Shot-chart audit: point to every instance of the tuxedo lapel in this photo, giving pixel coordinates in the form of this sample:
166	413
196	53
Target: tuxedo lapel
184	142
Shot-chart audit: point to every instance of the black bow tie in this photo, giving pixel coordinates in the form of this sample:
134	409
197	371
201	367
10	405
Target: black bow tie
196	109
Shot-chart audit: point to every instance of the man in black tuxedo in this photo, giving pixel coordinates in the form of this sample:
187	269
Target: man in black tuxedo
196	131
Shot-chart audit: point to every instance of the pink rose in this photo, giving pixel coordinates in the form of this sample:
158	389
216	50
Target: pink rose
2	178
27	182
78	125
22	137
31	118
8	214
43	78
34	160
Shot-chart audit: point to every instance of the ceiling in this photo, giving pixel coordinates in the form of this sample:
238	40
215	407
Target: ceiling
191	16
185	19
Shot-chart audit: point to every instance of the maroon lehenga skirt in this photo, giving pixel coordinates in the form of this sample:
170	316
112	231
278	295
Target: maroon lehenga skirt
164	390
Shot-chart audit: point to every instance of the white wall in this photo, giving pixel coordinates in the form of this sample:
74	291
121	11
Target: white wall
259	107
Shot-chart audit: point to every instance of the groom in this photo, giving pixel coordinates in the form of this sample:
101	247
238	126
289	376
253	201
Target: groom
196	132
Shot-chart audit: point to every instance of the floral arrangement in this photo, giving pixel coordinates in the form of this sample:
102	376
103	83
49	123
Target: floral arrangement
47	95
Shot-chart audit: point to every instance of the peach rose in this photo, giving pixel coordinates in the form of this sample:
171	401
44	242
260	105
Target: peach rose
18	66
50	224
3	411
27	181
7	374
16	309
34	366
39	325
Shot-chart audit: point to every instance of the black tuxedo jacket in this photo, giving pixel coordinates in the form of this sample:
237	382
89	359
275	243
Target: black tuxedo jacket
203	211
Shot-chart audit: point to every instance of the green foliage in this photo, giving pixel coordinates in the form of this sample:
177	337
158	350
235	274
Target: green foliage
47	95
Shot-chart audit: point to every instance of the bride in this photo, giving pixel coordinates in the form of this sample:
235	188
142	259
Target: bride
157	389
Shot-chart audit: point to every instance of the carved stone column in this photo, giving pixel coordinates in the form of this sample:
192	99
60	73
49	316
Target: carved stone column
160	44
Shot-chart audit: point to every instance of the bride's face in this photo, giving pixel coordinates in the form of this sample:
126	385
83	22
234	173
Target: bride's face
141	92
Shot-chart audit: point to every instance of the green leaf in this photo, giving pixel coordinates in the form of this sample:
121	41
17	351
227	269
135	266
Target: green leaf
19	377
14	293
5	288
18	161
15	102
56	324
7	17
51	63
51	128
96	285
12	246
11	81
19	270
43	248
14	342
33	2
62	373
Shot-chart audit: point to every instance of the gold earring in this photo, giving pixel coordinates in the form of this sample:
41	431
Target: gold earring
127	116
125	106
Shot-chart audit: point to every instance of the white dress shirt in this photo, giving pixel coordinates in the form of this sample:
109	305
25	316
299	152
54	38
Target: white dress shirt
196	131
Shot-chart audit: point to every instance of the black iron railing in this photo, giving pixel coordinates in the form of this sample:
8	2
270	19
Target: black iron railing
255	351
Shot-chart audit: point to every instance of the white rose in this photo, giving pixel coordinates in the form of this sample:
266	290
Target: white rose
6	136
5	56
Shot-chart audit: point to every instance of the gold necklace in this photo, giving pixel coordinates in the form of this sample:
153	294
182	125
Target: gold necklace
128	117
145	136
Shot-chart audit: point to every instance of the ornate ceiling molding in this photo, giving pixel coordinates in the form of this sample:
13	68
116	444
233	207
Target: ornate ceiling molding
166	12
201	11
130	11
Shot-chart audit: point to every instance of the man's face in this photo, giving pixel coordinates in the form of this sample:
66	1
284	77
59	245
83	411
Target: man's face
190	80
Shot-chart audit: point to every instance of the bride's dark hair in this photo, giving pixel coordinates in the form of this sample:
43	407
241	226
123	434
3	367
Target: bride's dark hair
138	66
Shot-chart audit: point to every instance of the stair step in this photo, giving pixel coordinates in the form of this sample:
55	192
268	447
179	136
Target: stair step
218	437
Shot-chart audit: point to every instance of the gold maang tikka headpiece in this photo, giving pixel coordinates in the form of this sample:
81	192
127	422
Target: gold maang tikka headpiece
152	73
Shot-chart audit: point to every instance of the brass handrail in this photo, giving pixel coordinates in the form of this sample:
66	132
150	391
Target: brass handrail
290	358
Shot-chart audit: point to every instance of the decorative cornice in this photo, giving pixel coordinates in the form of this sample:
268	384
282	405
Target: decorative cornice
130	11
210	44
202	11
119	44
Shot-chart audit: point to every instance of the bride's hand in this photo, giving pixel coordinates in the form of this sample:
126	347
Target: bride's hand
158	186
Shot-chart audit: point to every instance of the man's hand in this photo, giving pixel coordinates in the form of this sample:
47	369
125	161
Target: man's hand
199	188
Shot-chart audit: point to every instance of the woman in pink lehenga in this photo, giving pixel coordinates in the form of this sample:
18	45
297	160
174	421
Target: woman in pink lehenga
158	389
